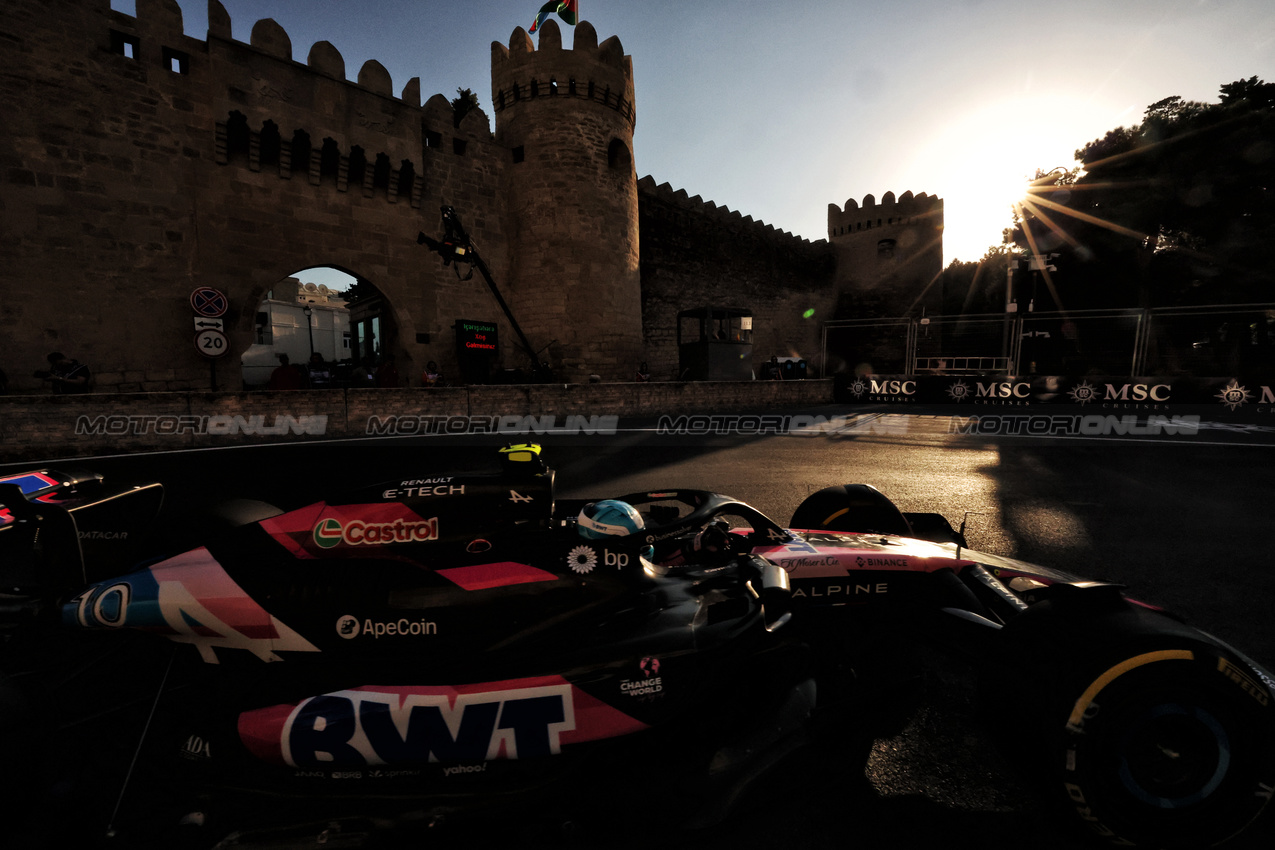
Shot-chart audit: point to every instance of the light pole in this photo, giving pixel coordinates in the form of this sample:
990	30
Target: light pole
309	326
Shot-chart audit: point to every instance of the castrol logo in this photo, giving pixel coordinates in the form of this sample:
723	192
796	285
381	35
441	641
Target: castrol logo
333	532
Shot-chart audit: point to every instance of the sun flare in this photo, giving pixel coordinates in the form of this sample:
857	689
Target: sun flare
983	162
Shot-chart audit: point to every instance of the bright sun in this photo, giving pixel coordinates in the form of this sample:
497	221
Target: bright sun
981	164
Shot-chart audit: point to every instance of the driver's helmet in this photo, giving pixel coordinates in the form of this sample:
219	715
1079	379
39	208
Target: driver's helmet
610	518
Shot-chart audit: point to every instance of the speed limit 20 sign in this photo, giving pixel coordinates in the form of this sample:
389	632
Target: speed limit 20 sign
211	342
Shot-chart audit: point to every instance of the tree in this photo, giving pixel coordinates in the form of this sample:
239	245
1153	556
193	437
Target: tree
1175	210
976	287
360	290
464	103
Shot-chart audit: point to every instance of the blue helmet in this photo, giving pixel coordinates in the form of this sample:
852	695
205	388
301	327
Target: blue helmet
608	518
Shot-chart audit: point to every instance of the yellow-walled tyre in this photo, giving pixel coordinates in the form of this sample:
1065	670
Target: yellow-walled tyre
1168	747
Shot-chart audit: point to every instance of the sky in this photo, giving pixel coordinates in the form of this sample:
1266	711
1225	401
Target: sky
779	109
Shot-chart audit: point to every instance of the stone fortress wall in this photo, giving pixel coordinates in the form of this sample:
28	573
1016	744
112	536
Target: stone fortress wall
696	253
139	163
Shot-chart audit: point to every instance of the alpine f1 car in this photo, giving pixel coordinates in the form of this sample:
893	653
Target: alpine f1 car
454	644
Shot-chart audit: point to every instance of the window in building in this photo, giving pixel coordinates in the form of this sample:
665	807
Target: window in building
124	44
618	155
176	61
265	332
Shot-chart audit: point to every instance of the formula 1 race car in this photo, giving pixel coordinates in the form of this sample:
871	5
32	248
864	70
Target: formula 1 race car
445	646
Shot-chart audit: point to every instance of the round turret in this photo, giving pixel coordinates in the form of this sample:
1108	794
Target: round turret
567	117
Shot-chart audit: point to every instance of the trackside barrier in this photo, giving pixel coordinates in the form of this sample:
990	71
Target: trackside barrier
67	426
1200	340
1233	397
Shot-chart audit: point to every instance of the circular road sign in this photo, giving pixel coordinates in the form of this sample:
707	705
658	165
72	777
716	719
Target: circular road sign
209	302
211	343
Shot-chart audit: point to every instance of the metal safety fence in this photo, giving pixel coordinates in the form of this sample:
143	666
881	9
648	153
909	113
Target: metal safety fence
1213	339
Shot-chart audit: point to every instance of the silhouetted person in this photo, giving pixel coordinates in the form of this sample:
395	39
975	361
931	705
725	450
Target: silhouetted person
286	376
68	376
320	372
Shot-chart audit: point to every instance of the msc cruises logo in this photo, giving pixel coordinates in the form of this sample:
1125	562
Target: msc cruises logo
1083	393
1233	395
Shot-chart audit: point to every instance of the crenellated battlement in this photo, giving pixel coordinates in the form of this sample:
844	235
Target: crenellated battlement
157	29
709	209
907	209
600	73
276	114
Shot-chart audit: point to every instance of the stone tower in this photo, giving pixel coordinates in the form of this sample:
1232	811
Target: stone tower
567	117
890	254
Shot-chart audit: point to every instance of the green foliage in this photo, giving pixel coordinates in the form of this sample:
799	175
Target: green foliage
360	290
1177	209
976	287
464	103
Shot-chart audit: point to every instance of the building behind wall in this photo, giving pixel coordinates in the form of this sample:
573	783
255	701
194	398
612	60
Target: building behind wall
283	326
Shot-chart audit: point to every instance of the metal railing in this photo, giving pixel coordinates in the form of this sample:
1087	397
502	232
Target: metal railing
962	365
1212	339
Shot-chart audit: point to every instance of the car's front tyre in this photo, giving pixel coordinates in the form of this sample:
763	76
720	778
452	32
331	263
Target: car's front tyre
1168	748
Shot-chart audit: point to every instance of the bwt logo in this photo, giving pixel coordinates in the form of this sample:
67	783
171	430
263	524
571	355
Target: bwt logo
352	728
331	532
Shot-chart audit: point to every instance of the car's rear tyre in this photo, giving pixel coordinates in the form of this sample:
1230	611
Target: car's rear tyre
1168	748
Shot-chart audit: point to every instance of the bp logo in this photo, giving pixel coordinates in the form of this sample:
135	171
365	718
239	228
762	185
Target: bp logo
1233	395
582	559
348	626
328	533
1082	393
959	391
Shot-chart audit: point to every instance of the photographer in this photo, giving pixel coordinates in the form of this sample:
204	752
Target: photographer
67	375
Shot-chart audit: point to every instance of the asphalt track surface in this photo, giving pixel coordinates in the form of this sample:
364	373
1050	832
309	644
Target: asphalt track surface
1182	520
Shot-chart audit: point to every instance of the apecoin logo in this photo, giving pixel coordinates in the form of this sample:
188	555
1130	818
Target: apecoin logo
348	627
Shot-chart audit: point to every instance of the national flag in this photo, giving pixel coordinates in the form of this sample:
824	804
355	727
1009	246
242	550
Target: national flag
566	9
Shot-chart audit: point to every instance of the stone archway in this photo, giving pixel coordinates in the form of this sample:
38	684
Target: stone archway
323	311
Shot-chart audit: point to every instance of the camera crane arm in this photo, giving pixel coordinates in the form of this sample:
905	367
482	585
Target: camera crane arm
457	247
